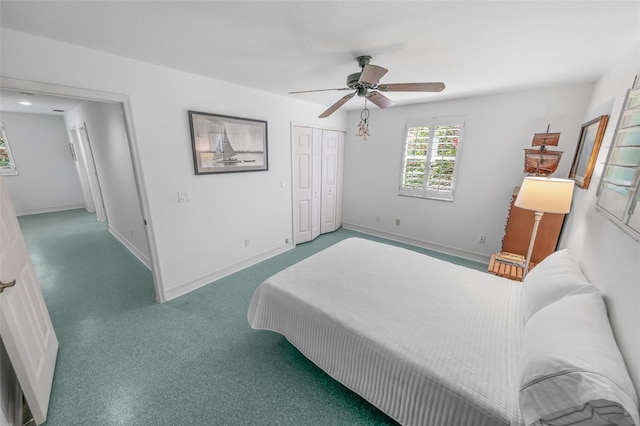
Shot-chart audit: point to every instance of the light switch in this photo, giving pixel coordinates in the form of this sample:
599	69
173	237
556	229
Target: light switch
184	196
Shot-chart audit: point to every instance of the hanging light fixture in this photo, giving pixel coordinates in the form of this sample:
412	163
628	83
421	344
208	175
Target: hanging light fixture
363	126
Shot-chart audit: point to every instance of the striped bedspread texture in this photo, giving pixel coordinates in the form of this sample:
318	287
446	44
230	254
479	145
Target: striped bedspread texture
426	341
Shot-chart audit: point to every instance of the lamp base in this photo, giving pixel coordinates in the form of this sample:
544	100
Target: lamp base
536	222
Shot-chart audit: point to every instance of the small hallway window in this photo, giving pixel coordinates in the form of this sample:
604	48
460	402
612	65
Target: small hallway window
430	157
7	166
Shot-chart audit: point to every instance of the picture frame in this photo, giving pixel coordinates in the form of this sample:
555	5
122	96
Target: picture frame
227	144
589	142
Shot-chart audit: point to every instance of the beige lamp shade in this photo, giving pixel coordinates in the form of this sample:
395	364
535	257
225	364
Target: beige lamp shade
545	195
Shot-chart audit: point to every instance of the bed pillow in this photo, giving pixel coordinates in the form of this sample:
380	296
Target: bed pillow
553	278
571	369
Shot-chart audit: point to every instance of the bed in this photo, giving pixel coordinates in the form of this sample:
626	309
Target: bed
433	343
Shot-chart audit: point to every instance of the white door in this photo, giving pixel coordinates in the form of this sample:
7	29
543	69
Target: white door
303	181
92	172
330	145
340	179
316	182
81	168
25	325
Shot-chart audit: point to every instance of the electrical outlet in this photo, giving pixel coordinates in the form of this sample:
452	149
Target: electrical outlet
482	239
377	218
397	222
246	243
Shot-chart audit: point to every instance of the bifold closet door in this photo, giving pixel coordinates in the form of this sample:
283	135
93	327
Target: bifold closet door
306	169
339	182
329	191
317	171
316	181
302	168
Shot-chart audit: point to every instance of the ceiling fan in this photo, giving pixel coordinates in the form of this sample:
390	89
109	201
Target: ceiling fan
366	84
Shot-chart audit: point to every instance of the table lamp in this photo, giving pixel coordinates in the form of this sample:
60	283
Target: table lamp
543	195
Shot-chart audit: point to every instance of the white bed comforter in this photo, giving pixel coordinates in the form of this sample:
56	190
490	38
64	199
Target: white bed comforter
426	341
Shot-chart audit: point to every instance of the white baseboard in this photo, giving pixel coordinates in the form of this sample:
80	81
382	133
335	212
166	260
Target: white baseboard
49	209
465	254
132	248
196	283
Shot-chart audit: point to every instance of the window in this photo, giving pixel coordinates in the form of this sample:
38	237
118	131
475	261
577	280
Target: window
7	166
619	189
430	155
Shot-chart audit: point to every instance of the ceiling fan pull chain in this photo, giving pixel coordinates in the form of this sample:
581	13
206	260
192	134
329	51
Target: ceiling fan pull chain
364	115
363	126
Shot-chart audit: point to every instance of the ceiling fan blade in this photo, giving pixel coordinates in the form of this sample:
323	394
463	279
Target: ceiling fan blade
337	105
411	87
319	90
379	99
371	74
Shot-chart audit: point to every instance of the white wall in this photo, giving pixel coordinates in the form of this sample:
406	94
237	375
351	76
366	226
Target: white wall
196	242
609	257
46	180
108	138
497	129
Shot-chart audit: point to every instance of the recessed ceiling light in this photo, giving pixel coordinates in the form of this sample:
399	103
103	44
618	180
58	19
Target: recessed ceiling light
25	103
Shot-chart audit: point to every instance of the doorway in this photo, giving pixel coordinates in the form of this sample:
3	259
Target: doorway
85	163
116	105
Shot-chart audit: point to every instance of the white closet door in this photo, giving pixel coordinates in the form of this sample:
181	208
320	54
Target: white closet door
316	180
340	180
330	149
303	181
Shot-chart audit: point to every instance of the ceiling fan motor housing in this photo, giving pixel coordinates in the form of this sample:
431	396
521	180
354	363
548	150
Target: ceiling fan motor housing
352	80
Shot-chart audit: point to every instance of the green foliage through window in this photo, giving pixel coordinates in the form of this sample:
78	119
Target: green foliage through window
415	158
6	161
430	158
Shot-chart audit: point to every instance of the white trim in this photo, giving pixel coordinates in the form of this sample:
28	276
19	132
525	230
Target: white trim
441	248
134	150
131	247
316	126
616	221
204	280
59	90
50	209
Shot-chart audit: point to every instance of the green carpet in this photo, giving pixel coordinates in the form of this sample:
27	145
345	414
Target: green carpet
125	359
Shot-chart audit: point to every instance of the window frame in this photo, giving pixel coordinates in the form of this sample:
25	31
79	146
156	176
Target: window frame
11	171
432	123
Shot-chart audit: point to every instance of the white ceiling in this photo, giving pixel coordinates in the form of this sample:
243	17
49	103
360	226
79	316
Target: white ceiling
40	104
474	47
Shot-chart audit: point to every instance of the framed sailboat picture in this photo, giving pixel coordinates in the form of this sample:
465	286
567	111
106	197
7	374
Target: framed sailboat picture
223	144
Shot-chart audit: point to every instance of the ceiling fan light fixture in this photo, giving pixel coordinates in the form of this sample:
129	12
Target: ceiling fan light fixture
368	79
